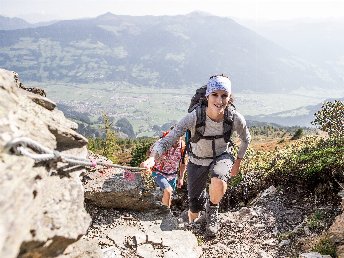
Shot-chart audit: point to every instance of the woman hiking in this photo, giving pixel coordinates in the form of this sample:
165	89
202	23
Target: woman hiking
210	125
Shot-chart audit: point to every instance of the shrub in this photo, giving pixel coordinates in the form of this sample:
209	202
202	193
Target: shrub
330	118
325	247
140	151
315	221
298	134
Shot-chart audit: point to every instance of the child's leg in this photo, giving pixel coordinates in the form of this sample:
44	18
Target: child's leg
167	197
166	188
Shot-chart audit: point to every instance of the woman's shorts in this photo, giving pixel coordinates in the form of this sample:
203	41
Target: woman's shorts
163	182
199	175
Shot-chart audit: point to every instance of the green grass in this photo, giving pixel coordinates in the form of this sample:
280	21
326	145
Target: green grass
325	247
315	220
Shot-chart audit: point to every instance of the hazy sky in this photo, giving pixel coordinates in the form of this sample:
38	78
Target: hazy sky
38	10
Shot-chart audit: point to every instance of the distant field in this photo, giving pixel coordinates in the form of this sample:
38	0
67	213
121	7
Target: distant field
145	107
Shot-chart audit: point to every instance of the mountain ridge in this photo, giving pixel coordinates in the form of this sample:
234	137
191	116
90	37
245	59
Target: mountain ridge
302	116
160	51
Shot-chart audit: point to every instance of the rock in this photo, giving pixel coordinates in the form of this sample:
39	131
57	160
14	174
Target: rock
147	251
340	251
144	236
307	230
337	229
109	188
112	252
313	255
82	249
120	234
244	211
268	192
284	242
40	100
270	242
41	205
263	254
336	232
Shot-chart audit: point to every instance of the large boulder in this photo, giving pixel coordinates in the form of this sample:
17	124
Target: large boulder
128	233
41	204
118	188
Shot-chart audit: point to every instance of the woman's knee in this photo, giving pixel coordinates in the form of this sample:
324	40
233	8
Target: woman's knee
217	189
218	183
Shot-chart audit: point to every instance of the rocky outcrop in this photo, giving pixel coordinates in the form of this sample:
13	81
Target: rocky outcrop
336	231
41	204
118	188
128	233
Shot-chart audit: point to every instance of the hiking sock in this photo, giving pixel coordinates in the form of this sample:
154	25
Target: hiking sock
212	213
212	204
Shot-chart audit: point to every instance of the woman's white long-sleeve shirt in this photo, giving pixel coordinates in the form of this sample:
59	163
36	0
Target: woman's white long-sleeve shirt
203	148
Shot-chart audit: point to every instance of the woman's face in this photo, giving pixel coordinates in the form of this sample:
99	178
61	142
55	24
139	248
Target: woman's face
218	101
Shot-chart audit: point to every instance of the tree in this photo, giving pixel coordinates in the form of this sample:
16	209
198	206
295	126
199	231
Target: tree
298	134
140	152
125	126
330	119
110	147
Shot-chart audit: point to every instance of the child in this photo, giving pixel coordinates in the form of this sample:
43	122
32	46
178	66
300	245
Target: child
168	172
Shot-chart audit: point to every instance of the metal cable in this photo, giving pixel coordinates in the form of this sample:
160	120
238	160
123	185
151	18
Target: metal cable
19	146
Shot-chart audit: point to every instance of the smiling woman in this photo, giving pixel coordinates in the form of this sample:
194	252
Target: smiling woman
210	126
218	92
217	102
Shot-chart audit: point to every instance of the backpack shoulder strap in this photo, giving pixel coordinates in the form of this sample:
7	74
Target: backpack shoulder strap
228	123
182	151
200	123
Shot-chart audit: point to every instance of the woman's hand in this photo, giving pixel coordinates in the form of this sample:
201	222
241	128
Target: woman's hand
148	164
235	168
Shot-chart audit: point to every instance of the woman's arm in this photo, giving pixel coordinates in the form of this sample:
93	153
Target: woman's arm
174	135
240	126
167	142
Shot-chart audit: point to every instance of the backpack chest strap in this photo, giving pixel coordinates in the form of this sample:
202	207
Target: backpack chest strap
214	157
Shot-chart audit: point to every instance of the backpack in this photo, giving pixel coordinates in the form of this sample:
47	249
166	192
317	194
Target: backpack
199	102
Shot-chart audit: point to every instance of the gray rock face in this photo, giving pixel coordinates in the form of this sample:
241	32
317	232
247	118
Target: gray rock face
336	232
41	205
116	188
314	255
141	234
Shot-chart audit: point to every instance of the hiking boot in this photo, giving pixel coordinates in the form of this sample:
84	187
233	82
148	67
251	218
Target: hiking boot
190	226
162	209
212	216
202	219
165	210
183	217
